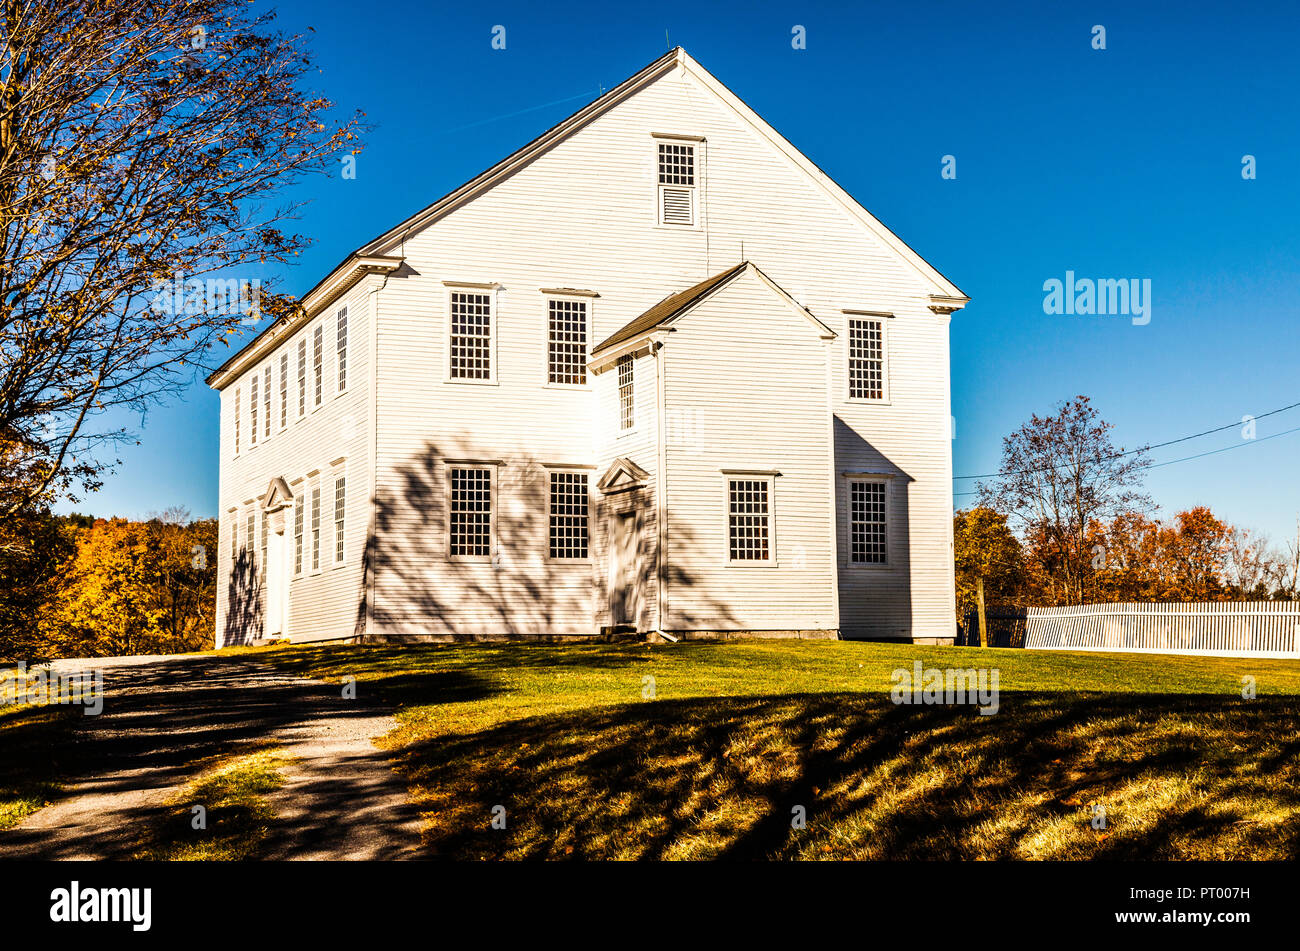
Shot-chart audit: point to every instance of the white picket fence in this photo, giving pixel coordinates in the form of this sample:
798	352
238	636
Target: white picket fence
1209	628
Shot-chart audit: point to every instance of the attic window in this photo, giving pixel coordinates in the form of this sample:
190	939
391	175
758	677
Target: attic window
676	183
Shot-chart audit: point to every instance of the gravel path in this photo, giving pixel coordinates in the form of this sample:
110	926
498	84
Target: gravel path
165	718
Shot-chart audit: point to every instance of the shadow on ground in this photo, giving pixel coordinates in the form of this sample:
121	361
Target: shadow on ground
1175	777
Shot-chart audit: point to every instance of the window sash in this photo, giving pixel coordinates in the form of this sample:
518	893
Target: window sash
266	401
252	410
238	398
749	519
340	510
866	358
469	528
569	515
298	512
341	349
566	342
469	354
318	364
315	527
868	522
284	390
626	393
302	377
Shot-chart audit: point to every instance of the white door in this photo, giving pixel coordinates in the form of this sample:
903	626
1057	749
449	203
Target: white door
277	589
623	569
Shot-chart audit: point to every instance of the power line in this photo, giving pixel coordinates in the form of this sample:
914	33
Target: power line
1130	452
1199	455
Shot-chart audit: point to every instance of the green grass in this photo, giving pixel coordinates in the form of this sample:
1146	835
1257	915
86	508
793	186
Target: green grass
238	815
30	766
713	757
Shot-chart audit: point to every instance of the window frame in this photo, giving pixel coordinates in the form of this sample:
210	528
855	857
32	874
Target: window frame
585	301
299	531
769	478
697	145
239	396
318	366
342	343
490	291
284	390
451	466
302	376
585	472
339	520
267	402
885	480
882	319
315	524
628	360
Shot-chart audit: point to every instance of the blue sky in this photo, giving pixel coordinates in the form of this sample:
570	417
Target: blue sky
1116	163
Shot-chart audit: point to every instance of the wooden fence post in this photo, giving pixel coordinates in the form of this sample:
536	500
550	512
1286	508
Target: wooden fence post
984	627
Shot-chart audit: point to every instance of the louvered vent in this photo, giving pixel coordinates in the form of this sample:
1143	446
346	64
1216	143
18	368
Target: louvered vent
676	206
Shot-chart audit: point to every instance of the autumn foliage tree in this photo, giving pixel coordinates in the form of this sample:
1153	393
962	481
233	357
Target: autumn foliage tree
1060	477
143	144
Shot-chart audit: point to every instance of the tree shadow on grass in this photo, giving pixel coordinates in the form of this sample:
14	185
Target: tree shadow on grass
1179	777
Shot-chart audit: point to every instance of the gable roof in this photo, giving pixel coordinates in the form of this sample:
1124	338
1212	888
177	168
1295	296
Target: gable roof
943	292
673	306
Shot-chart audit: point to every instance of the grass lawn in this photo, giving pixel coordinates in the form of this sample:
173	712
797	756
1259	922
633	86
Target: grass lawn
703	751
237	815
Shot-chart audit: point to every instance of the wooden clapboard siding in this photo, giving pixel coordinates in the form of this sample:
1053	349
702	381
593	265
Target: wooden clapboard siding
325	603
582	215
745	389
1209	628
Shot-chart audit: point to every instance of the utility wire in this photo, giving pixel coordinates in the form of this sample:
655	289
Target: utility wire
1199	455
1130	452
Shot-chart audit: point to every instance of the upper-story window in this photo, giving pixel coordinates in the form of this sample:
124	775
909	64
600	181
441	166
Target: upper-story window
284	390
341	349
470	354
252	410
318	362
676	183
566	342
266	401
238	397
302	377
626	396
867	358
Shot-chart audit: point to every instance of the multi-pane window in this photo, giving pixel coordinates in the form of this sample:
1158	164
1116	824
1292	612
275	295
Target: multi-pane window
471	336
867	530
315	527
265	561
340	507
238	397
341	349
297	535
568	514
234	537
252	411
470	511
266	401
749	519
302	376
284	390
566	354
866	358
251	523
676	183
318	362
626	407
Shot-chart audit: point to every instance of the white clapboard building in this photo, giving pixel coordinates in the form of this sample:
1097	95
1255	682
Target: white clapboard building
654	372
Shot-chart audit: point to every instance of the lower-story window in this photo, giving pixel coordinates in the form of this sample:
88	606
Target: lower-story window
469	528
867	525
568	515
749	517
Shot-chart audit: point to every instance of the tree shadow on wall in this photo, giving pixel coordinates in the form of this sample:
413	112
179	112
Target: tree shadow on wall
421	590
244	597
